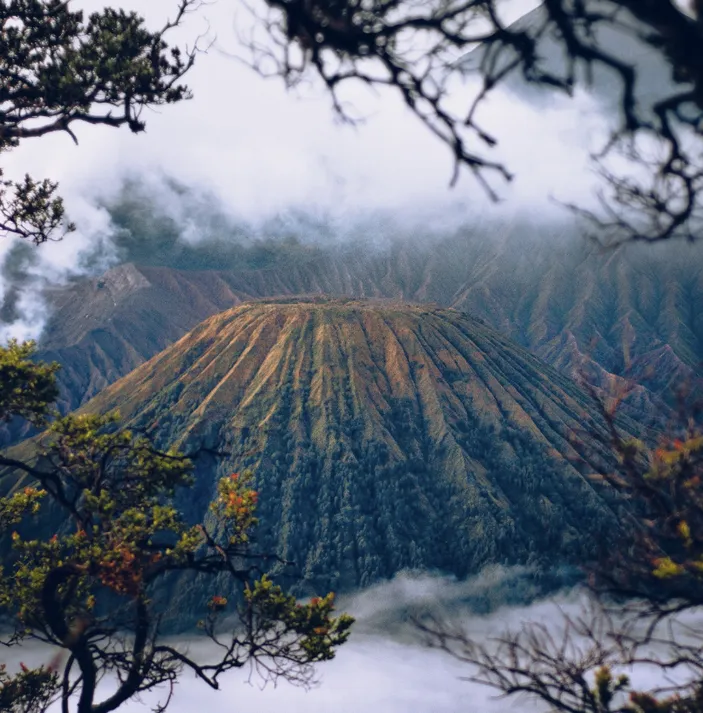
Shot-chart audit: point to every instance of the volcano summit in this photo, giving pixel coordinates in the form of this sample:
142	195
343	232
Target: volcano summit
383	436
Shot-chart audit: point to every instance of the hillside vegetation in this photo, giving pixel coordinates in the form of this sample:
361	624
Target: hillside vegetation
384	436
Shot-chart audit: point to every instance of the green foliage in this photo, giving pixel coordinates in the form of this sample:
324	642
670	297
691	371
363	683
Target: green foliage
313	622
17	505
108	495
28	691
607	687
60	69
235	505
27	389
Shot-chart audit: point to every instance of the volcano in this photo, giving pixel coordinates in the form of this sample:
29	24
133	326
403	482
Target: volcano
383	436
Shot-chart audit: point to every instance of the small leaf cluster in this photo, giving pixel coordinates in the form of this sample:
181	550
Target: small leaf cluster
235	506
318	632
28	691
27	389
646	703
22	502
608	686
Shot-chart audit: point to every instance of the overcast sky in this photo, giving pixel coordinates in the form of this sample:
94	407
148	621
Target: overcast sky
261	150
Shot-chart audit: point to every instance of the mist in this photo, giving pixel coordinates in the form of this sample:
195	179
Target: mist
385	667
257	158
262	149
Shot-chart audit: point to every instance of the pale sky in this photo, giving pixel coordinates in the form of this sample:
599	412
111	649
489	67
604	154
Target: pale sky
261	149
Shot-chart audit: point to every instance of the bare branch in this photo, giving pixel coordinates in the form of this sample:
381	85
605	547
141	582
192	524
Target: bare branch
425	51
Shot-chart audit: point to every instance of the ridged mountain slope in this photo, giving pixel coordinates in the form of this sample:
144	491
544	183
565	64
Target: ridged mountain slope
383	436
633	315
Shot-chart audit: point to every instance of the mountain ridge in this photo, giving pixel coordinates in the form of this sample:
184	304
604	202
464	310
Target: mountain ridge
384	436
610	317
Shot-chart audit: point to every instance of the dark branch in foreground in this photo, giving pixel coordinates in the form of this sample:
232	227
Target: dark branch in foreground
427	50
59	70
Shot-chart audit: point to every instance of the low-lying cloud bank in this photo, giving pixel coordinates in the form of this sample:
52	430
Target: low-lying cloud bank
386	669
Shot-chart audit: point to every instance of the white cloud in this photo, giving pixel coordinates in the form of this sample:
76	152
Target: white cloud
52	265
378	671
373	672
261	150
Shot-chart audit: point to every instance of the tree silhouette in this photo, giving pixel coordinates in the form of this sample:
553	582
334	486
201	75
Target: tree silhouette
58	70
427	51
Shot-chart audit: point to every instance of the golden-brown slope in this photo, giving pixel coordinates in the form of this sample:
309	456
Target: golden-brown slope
383	435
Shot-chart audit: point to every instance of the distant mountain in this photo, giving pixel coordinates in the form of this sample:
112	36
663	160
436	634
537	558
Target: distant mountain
620	37
632	318
384	436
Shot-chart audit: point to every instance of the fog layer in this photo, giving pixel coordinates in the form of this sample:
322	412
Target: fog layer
384	668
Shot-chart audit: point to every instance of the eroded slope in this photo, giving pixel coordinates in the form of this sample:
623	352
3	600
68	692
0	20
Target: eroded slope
383	436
